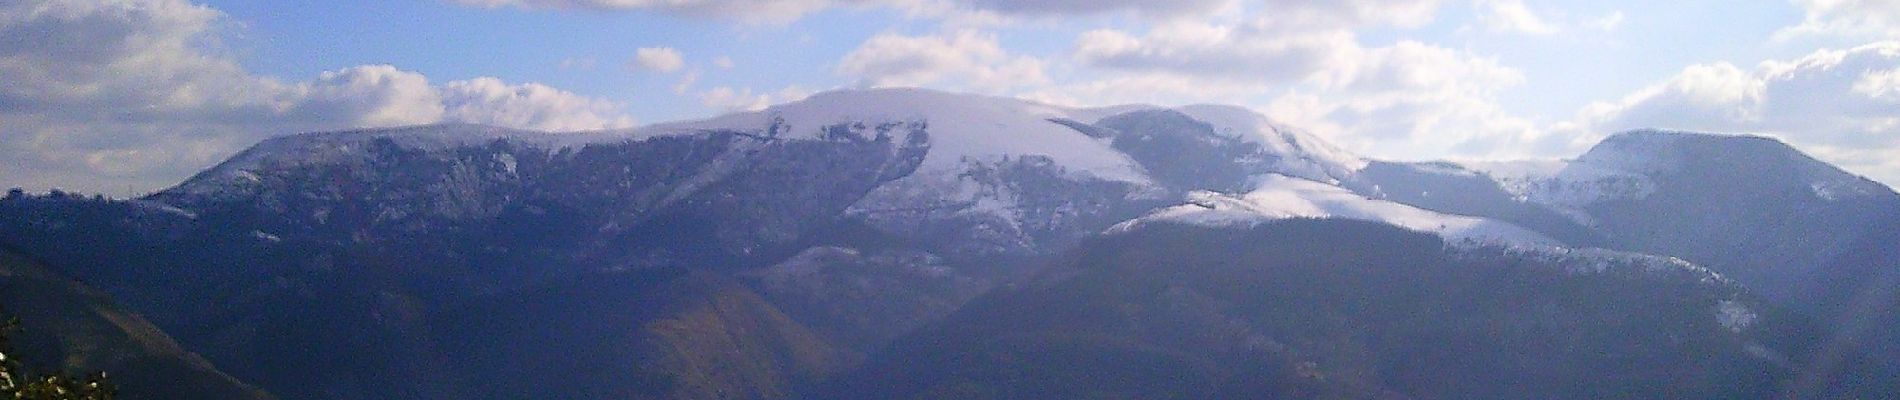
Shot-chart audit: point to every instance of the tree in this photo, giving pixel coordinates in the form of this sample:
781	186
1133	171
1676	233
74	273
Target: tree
18	385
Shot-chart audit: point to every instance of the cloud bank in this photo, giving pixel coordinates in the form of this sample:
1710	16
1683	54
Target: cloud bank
1843	105
127	96
138	93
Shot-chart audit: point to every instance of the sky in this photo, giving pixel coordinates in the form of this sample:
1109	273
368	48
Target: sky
125	97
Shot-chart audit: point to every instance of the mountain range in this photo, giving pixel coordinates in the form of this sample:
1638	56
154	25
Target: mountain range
907	243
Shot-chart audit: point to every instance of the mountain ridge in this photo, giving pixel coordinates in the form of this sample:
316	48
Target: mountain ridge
829	228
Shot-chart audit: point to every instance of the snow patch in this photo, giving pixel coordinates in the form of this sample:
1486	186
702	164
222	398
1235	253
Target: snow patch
1597	261
1444	169
1281	197
1734	315
507	162
1565	184
939	194
1618	168
163	208
1843	189
1303	155
1640	151
961	127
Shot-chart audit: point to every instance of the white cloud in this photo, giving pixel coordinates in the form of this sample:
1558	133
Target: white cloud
1863	18
132	95
369	96
729	99
1879	85
756	11
1344	14
1081	7
964	60
1718	93
1607	22
382	96
115	58
531	105
1513	16
784	11
1839	104
582	64
1150	88
1412	99
723	62
1286	41
1410	65
686	82
1405	100
1222	51
658	59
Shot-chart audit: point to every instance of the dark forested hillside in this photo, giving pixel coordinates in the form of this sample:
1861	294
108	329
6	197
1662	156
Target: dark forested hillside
70	329
1344	309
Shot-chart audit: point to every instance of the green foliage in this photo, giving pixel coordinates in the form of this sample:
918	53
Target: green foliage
16	383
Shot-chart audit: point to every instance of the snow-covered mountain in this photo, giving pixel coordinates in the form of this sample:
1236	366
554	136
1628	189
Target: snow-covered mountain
981	176
1020	177
962	128
903	201
973	128
815	232
987	154
1752	207
1627	166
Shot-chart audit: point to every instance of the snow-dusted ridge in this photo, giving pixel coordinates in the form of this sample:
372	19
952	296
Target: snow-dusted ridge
961	127
1309	156
1566	185
1583	261
1616	169
1276	197
340	146
966	126
1735	312
1311	178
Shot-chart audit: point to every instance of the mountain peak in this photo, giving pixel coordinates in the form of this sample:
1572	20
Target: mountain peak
977	127
960	127
1667	143
1678	134
1754	157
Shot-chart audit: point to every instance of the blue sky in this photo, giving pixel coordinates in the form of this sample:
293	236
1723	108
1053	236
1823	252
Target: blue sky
128	96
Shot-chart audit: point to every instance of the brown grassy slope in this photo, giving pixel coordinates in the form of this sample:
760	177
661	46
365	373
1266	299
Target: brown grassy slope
72	328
